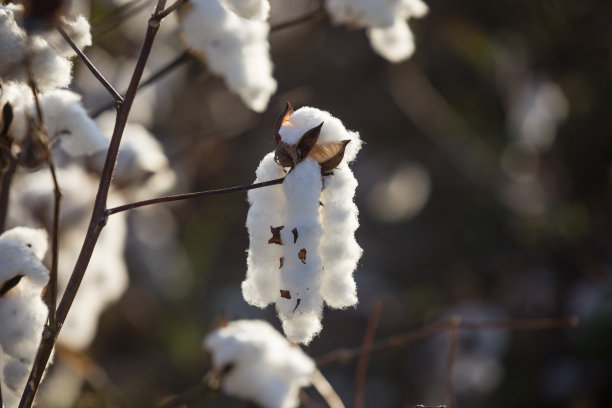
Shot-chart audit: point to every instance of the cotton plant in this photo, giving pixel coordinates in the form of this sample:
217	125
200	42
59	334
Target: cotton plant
232	37
44	53
22	311
384	20
255	362
302	247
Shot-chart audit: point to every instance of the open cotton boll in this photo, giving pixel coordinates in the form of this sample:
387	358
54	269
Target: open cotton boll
66	121
395	43
339	249
332	131
302	267
258	10
234	47
49	69
22	311
262	366
267	209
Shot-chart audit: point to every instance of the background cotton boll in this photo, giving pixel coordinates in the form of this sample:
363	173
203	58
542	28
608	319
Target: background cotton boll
250	9
12	42
265	367
395	43
35	239
233	47
22	311
78	30
267	208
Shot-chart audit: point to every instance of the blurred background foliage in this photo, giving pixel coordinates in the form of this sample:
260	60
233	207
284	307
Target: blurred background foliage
484	190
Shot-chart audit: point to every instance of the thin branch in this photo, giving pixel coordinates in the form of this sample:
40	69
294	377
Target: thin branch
364	356
324	388
450	360
186	55
111	90
160	73
191	395
188	196
5	190
171	8
52	285
344	355
98	217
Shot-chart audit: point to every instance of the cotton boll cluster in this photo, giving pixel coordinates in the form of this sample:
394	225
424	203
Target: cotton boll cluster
302	247
65	119
258	364
44	52
232	36
22	312
385	21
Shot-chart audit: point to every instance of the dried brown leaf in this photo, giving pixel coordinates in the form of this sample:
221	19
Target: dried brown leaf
285	294
283	119
282	261
297	304
302	255
329	155
9	284
295	235
307	142
276	238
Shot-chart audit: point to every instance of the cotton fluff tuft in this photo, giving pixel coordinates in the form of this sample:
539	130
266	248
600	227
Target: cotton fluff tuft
385	21
233	45
49	69
79	31
262	365
22	311
66	121
317	253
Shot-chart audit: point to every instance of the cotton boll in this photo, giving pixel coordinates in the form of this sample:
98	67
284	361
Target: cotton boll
267	209
12	42
302	268
332	131
234	47
395	43
262	366
339	249
22	311
250	9
79	31
66	121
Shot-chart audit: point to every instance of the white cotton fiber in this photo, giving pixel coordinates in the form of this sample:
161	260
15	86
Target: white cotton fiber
22	311
302	267
66	121
257	10
49	69
262	366
78	30
385	21
395	43
234	47
315	253
268	209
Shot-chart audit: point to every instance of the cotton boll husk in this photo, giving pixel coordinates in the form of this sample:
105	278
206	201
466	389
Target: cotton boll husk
332	131
66	120
395	43
265	367
79	31
234	47
22	311
339	249
302	278
250	9
267	208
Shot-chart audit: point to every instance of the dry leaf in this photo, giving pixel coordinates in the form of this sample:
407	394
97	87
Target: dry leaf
285	294
302	255
307	142
295	235
297	304
282	261
329	155
283	119
276	238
